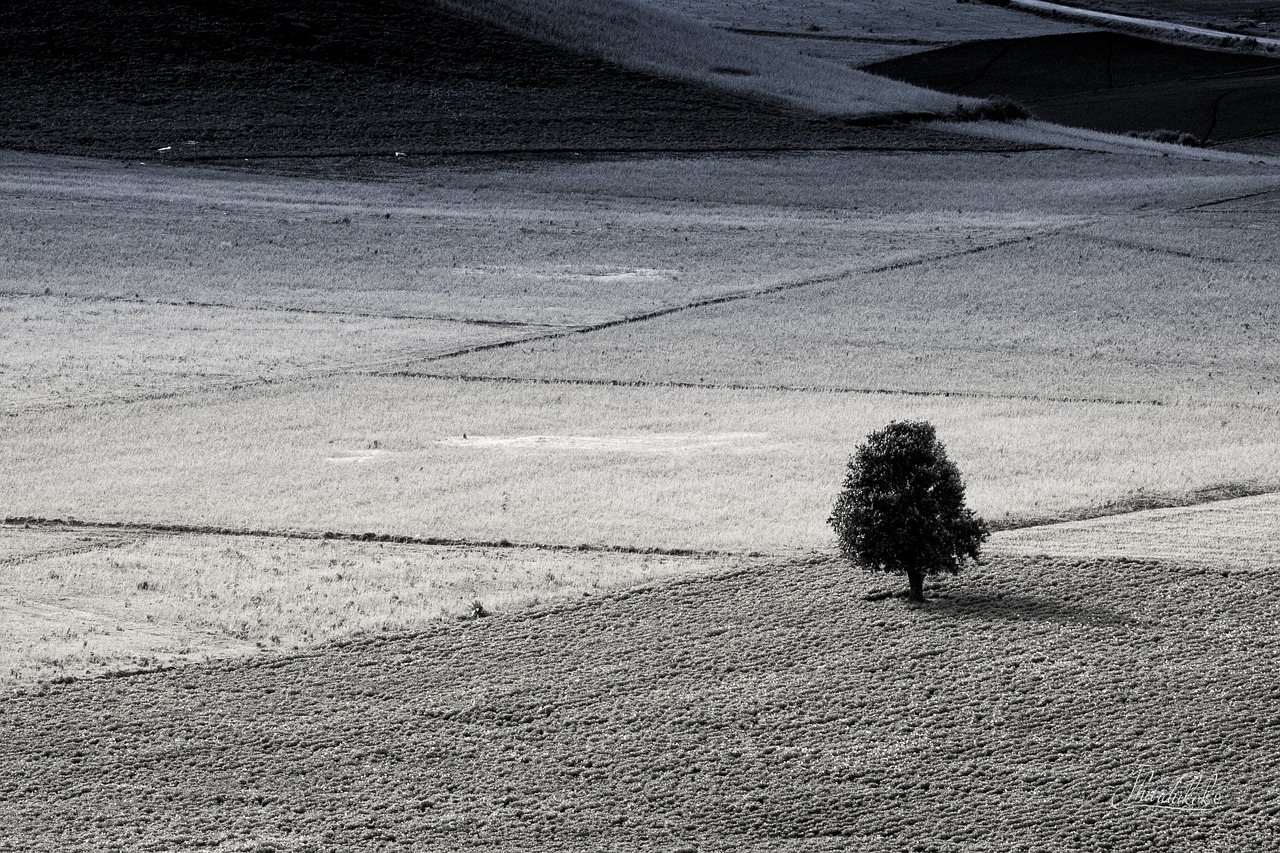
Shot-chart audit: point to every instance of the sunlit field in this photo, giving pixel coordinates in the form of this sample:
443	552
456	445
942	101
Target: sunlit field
698	468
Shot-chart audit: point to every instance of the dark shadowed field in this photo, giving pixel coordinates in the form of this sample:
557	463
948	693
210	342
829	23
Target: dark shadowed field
237	79
1114	83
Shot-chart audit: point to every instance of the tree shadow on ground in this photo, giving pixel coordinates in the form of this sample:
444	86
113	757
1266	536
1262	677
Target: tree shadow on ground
1014	607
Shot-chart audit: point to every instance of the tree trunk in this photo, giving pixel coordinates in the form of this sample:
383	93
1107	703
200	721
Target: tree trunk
917	585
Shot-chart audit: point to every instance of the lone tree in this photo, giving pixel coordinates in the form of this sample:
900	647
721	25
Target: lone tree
902	507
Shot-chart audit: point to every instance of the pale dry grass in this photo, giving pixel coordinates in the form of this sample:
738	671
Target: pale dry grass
666	467
656	41
58	351
1233	534
139	600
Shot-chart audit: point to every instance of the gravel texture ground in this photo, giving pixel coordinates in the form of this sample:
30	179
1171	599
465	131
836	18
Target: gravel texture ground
1035	704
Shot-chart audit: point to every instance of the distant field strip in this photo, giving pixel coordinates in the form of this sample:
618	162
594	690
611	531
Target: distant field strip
1244	532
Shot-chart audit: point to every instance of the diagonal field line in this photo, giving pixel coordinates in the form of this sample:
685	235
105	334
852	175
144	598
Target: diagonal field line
741	295
1219	201
173	529
1139	246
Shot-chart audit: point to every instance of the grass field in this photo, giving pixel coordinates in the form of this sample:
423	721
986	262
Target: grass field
646	37
80	603
866	247
864	31
568	464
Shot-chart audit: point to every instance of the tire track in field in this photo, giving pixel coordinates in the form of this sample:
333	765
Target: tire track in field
798	389
1138	245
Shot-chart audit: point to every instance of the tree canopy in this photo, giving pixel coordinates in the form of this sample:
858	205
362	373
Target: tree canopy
902	507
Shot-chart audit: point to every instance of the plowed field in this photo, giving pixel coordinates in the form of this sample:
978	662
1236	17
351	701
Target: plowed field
1036	705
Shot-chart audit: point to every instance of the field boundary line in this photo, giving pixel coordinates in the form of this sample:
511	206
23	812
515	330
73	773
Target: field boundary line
733	386
1216	202
821	36
164	528
284	309
1147	247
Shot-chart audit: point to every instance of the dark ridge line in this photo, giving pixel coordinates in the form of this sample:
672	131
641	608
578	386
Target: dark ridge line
28	521
732	386
741	295
285	309
1226	200
1129	506
820	36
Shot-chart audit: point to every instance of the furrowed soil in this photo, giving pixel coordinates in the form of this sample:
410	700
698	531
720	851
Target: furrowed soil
1038	704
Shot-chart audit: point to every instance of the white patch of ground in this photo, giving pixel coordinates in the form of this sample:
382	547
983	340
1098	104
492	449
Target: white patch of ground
342	457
